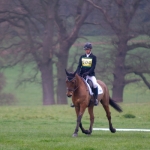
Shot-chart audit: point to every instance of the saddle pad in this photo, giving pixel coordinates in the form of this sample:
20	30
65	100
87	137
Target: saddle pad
100	90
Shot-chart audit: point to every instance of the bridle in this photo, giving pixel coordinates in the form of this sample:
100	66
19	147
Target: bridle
72	89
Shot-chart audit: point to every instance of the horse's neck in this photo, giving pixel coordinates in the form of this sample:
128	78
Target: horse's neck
82	87
80	81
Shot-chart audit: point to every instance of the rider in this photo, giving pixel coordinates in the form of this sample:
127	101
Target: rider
86	67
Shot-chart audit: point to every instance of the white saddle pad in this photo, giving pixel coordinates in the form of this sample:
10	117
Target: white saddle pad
100	90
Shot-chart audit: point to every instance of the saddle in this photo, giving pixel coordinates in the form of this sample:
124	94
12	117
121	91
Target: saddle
90	84
91	87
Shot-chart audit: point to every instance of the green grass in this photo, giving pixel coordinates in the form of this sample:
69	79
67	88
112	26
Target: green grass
51	128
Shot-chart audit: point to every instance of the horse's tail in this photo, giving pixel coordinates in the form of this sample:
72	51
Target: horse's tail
115	105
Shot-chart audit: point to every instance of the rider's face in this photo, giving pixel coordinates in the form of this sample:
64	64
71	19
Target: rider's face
87	51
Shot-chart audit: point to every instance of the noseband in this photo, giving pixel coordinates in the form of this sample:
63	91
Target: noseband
72	89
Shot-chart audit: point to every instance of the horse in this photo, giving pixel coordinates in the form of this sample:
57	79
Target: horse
78	90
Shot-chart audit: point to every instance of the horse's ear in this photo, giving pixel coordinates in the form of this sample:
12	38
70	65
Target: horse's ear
75	73
66	72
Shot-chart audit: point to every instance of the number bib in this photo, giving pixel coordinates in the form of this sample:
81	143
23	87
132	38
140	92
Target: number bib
86	62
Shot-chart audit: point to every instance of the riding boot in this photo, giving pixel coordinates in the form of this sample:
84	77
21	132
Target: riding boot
95	91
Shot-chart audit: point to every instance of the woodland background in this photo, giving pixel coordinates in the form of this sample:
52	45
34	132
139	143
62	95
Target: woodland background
40	38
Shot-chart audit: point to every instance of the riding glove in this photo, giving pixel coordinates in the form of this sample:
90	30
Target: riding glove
85	74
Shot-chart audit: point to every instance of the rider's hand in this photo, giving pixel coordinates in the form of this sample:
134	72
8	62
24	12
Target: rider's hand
85	74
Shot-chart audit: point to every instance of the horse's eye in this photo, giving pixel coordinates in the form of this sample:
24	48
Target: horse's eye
73	82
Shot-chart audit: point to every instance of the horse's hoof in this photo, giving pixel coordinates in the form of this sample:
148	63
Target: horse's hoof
113	130
87	131
75	135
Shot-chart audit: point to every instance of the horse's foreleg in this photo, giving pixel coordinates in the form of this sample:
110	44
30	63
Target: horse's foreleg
108	114
90	110
81	127
77	125
79	113
83	130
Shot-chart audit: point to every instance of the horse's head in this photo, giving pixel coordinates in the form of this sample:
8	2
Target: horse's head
71	83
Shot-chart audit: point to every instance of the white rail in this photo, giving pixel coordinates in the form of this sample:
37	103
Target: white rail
106	129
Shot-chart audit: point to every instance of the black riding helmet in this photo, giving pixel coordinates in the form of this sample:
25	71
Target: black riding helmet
87	46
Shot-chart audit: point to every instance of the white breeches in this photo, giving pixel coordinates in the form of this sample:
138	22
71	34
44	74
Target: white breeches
93	79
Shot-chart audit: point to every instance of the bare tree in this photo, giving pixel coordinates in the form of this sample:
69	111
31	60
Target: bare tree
42	30
66	37
120	16
33	24
37	30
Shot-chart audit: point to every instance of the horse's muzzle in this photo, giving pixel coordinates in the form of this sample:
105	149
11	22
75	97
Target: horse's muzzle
69	94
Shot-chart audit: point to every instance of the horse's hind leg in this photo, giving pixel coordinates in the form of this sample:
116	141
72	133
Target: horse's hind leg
108	114
90	110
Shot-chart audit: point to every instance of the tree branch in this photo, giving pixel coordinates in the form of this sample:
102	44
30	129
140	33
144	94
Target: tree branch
137	45
107	18
143	78
134	6
80	18
131	81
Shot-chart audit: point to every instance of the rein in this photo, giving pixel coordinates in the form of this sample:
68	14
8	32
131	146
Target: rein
72	90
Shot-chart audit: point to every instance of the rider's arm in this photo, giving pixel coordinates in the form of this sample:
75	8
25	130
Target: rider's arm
79	66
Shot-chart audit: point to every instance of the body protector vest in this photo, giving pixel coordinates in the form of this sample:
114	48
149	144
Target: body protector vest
87	64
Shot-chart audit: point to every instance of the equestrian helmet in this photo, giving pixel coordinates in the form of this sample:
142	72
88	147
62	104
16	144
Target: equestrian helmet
87	46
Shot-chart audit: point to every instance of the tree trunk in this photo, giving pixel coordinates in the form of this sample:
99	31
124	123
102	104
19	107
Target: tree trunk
61	85
47	83
46	59
119	72
117	91
66	39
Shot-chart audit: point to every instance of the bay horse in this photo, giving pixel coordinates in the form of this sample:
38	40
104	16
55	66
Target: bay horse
78	90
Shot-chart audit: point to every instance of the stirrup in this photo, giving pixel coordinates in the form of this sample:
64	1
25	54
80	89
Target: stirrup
72	105
96	102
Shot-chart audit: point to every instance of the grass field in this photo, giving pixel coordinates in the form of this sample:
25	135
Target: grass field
30	126
51	128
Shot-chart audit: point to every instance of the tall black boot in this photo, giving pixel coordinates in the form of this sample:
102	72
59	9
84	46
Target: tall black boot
95	91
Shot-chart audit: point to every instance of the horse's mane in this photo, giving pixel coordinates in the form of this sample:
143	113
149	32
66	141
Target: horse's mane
80	79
